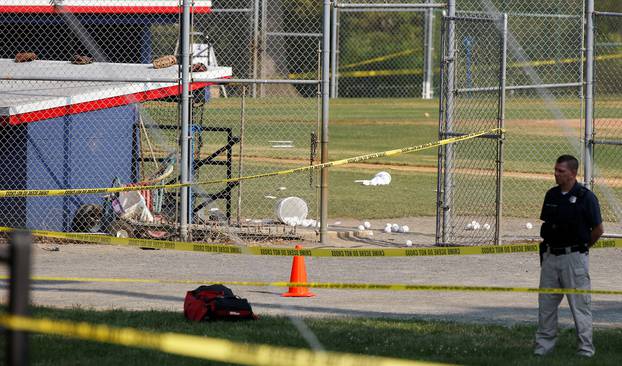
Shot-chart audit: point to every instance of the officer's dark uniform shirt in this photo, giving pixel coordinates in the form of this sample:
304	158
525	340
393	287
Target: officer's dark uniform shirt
569	218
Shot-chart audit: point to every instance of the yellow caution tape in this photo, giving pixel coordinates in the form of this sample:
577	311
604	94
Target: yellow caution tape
311	75
310	252
208	348
365	73
340	286
356	159
379	59
374	73
562	61
418	71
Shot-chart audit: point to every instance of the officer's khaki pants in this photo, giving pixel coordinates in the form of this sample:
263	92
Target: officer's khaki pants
564	271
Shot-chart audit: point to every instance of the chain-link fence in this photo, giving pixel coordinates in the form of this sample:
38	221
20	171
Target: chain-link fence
92	97
608	113
378	51
93	111
545	105
544	100
290	35
71	96
472	99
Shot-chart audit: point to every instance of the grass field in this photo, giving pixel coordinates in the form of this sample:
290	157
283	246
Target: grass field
361	126
411	193
437	341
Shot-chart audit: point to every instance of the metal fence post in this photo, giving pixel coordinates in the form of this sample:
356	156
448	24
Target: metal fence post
19	287
325	105
428	48
263	55
333	51
501	124
449	110
441	149
588	143
256	46
185	120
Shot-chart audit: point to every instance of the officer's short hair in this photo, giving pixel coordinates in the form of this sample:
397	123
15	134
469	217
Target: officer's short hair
570	160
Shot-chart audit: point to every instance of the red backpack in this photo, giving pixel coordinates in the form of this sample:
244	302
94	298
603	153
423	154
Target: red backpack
216	302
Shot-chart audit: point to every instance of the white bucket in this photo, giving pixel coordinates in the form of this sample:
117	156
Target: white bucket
291	210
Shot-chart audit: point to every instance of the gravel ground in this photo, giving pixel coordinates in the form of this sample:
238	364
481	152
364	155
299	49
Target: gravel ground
521	270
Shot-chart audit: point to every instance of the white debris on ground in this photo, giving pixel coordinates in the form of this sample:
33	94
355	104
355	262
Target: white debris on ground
380	179
298	221
281	143
474	225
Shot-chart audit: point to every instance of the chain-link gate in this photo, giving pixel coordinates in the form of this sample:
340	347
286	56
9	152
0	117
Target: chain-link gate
607	136
472	99
544	108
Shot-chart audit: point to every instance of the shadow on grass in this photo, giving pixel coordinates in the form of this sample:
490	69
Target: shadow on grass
408	338
607	313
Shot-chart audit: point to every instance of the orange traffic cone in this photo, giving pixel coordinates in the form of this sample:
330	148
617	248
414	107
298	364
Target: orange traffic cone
299	275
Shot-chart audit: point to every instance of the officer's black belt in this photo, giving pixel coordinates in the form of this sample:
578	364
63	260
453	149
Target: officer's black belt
567	250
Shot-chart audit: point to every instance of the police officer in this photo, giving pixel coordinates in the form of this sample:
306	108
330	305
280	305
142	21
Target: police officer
572	224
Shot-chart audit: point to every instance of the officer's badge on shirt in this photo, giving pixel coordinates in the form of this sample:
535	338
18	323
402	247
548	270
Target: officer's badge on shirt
572	199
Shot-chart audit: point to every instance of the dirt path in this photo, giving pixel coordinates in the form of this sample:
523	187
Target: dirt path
611	182
82	260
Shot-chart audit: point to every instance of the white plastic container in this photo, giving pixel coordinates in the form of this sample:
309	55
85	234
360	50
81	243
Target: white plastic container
289	207
133	206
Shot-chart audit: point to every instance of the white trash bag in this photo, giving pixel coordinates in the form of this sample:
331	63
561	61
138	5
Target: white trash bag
380	179
134	206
